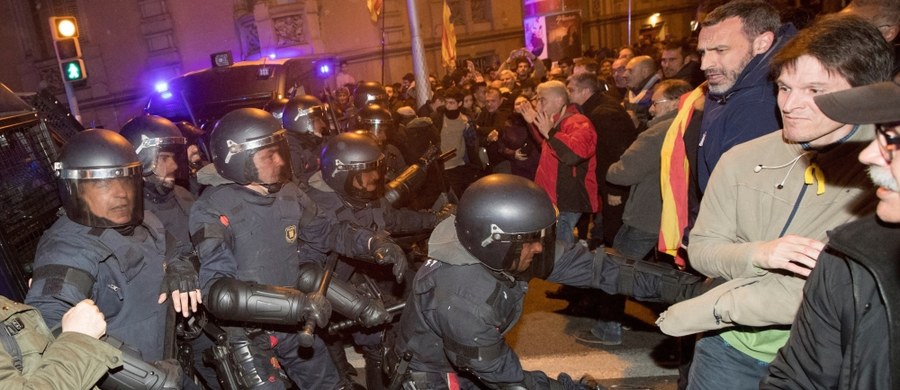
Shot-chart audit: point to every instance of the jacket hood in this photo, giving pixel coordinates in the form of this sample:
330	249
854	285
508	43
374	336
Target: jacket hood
444	245
756	72
210	177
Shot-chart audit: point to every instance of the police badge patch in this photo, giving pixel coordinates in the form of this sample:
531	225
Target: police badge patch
290	234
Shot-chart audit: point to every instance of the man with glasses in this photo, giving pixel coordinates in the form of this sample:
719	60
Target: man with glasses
844	335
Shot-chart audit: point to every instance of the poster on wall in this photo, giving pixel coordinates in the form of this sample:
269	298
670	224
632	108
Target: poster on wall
531	8
536	36
563	35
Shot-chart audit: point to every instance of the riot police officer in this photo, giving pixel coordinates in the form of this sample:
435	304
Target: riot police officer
161	150
160	147
376	120
304	119
247	228
109	249
349	188
471	291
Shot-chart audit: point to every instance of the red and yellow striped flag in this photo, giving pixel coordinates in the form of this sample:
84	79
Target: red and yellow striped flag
448	40
673	178
375	7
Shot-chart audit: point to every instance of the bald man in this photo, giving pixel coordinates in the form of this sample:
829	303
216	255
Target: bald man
641	75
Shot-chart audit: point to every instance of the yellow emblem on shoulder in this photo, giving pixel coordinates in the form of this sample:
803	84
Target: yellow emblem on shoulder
290	234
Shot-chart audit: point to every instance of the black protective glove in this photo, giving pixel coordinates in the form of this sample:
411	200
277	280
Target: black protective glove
317	308
374	314
181	276
385	251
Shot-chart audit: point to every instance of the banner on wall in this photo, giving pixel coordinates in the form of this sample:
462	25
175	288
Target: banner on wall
563	35
536	36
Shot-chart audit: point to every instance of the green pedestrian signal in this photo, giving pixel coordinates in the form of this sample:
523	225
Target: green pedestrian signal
73	70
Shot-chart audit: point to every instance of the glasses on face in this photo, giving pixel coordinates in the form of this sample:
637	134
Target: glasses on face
888	140
655	102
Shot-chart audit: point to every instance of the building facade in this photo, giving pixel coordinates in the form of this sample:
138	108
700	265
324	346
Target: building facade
129	45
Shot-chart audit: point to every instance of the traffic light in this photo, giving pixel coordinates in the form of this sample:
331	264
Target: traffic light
64	31
73	70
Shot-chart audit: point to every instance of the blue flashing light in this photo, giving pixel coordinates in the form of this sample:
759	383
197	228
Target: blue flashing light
166	95
325	69
161	86
272	56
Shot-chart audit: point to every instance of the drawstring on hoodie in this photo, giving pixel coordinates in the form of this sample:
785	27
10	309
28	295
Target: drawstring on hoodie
812	174
808	176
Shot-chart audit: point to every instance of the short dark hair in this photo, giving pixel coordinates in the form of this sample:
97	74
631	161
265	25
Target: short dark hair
527	83
409	77
567	61
585	80
454	93
844	44
757	16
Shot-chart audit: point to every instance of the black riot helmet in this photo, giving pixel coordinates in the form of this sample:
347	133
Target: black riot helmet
300	114
275	107
346	158
241	134
99	180
376	120
152	136
368	92
498	214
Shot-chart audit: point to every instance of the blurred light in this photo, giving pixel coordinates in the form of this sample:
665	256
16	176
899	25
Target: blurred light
653	19
161	86
694	25
272	56
66	27
166	95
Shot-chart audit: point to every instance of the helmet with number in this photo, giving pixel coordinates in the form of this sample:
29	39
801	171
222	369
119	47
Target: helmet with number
152	137
500	213
300	114
239	136
368	92
99	180
377	120
350	162
276	107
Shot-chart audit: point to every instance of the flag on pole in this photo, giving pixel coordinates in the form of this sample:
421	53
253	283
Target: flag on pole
375	7
448	40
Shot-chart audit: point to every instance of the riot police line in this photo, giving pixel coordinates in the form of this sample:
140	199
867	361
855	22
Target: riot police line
246	226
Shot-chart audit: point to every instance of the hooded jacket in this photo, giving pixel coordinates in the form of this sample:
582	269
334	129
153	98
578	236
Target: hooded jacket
746	111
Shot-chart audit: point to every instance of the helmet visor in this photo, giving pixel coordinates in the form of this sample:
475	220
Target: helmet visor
530	254
104	198
271	163
365	180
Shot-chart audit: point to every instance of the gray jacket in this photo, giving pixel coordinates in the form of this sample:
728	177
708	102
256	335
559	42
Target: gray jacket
639	168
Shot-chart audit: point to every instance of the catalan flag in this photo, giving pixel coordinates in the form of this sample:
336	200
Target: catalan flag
673	178
375	8
448	40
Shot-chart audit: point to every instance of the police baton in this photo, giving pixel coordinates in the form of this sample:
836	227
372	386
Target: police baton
306	336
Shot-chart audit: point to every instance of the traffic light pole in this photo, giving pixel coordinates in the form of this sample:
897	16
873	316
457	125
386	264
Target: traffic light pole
73	102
